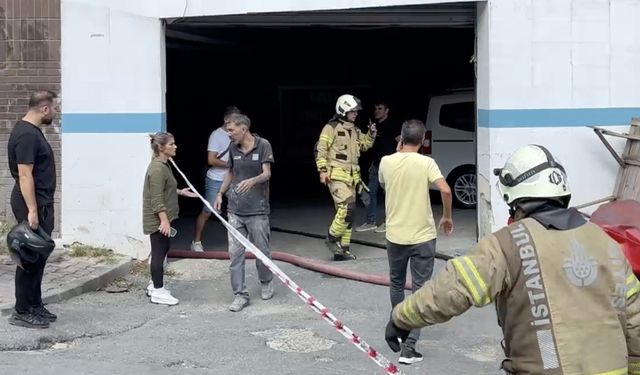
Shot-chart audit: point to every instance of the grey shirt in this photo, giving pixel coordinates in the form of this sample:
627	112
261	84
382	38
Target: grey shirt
243	166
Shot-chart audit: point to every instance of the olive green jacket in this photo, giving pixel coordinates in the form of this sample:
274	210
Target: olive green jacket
159	194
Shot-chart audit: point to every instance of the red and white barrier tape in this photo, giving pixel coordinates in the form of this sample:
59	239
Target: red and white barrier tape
316	306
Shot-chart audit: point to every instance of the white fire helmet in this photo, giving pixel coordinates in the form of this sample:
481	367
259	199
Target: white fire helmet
532	172
347	103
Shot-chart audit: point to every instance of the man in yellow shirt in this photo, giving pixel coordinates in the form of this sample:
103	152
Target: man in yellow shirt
411	231
565	296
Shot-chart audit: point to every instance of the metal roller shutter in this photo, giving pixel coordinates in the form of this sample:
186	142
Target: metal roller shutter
441	15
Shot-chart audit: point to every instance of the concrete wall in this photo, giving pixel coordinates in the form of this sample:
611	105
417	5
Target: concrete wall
113	81
29	61
547	69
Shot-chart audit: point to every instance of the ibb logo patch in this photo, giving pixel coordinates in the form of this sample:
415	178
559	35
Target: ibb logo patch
555	178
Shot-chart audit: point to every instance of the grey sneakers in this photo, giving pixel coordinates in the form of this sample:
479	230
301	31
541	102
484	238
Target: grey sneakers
267	290
366	227
372	226
381	228
242	300
239	303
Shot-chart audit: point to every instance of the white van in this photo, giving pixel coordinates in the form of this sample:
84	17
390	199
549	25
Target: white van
451	142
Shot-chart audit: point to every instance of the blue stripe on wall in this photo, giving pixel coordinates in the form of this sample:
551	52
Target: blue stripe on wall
493	118
113	122
569	117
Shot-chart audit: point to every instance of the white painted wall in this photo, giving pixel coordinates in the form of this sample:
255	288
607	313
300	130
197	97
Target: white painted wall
102	196
112	63
590	168
483	135
564	53
547	54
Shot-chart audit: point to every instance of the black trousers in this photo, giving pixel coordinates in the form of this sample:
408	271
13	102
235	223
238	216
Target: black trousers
160	245
28	283
420	258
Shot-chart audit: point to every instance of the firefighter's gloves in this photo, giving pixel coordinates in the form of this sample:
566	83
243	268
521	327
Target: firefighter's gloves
365	198
324	178
363	192
394	335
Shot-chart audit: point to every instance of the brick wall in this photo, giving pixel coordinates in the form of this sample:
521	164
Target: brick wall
29	61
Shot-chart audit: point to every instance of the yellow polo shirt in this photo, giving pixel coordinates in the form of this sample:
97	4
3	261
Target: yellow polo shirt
406	177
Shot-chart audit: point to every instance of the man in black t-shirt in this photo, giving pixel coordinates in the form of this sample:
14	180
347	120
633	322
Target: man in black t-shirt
33	167
385	144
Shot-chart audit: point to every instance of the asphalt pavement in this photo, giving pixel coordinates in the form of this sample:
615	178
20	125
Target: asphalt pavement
123	333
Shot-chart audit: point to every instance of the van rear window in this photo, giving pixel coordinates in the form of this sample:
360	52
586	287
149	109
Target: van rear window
458	116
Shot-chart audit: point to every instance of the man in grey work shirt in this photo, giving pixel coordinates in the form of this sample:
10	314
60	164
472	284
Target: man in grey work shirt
246	185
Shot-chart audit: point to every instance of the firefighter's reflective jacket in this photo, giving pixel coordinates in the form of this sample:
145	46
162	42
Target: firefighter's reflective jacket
567	301
338	150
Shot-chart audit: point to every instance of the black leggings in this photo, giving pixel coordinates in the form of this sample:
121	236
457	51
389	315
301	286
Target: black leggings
159	248
28	281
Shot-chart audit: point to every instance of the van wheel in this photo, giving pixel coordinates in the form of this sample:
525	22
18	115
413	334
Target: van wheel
462	181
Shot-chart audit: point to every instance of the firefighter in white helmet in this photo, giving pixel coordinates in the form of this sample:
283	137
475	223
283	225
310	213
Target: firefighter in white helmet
565	295
337	154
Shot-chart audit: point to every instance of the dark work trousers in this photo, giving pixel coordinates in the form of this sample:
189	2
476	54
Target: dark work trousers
257	230
159	248
28	281
374	186
420	258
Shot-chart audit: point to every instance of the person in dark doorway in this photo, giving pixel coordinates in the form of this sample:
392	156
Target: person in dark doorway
246	185
411	231
159	209
337	153
386	140
32	165
217	158
566	297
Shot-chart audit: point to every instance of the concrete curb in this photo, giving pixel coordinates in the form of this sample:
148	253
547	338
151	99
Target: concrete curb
82	285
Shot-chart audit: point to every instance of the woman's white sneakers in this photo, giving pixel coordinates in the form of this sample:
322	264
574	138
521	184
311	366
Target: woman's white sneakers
149	287
161	296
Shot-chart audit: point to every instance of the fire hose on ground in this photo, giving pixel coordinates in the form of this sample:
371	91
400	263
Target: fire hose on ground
314	304
307	263
310	264
441	256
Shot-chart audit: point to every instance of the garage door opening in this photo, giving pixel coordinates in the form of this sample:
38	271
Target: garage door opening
285	71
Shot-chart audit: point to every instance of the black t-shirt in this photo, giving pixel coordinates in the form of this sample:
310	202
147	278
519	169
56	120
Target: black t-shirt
27	145
243	166
385	143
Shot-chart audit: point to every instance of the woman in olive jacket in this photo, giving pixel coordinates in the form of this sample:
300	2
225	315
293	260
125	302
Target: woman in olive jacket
159	208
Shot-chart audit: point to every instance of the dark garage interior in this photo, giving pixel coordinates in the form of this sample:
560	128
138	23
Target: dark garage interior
287	76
